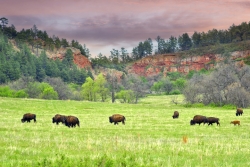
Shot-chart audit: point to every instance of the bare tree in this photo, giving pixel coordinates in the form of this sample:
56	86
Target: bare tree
113	84
228	84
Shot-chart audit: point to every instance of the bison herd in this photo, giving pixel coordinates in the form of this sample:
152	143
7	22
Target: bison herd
72	121
198	119
69	121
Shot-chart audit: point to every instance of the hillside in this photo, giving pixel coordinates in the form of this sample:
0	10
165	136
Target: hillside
153	65
183	62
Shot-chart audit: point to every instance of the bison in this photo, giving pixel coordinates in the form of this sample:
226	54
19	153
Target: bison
59	118
117	118
198	119
239	112
72	121
28	116
235	122
211	120
176	115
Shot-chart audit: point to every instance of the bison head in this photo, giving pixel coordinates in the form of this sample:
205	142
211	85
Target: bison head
192	122
22	120
111	120
53	120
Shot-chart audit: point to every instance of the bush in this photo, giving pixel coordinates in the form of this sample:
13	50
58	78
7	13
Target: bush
126	96
21	94
60	87
175	92
5	91
49	93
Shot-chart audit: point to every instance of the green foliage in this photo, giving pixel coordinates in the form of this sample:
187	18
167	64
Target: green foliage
49	93
174	75
157	86
41	90
21	94
175	92
88	90
5	91
126	96
100	87
179	84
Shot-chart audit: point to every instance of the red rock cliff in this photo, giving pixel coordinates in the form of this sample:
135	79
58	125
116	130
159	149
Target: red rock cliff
153	65
80	60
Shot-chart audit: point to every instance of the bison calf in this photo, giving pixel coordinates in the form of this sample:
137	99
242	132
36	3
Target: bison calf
72	121
198	119
117	118
211	120
28	116
59	118
235	122
239	112
176	115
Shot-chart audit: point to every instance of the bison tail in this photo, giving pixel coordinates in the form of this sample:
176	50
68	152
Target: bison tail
124	118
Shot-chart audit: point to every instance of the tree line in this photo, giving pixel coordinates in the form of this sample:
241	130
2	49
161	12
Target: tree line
14	64
184	42
39	39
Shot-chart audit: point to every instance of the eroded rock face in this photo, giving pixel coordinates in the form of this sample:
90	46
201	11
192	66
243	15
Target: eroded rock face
80	60
153	65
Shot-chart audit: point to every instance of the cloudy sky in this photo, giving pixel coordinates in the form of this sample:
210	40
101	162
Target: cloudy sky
106	24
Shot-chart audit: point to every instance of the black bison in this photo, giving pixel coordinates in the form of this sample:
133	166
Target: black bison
235	122
59	118
72	121
198	119
28	116
176	115
211	120
239	112
117	118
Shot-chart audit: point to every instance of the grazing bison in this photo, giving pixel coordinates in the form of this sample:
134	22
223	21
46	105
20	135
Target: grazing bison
59	118
117	118
72	121
239	112
198	119
211	120
28	116
176	115
235	122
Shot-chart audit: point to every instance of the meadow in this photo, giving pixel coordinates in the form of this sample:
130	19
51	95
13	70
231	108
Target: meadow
151	137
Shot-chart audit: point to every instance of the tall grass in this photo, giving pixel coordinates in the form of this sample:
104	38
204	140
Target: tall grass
150	137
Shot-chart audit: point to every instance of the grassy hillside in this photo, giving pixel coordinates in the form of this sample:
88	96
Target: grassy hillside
150	137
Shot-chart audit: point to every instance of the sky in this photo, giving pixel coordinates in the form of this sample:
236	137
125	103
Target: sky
103	25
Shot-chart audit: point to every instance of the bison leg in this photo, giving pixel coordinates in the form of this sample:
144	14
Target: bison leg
123	122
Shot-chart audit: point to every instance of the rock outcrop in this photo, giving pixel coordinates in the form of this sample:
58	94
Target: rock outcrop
80	60
153	65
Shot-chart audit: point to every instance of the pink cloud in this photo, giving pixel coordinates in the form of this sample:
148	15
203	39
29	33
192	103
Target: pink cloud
103	25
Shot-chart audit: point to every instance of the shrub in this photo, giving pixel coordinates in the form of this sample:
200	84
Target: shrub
5	91
21	94
60	87
175	92
126	96
49	93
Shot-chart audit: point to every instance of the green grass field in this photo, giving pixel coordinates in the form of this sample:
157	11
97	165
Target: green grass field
150	137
